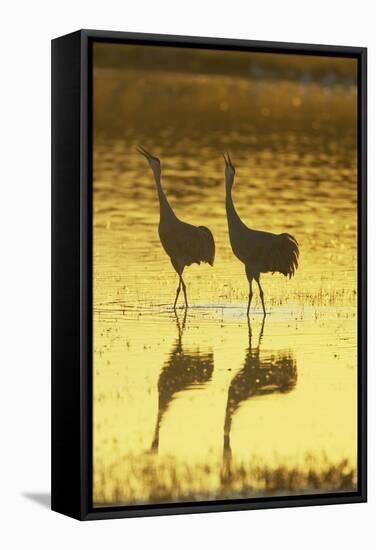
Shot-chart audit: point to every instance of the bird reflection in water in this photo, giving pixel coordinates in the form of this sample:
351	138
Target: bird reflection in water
182	371
273	373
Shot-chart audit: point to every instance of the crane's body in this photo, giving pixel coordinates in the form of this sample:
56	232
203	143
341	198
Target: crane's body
260	251
184	243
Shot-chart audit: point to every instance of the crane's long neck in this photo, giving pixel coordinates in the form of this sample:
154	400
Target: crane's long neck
164	205
232	215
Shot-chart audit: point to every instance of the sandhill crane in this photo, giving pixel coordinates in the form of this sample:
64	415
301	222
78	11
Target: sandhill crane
260	251
260	375
185	244
181	371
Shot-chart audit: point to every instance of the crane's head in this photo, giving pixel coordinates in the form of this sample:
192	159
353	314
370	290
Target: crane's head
229	170
154	162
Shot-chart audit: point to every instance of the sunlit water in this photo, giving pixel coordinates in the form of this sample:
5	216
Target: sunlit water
207	406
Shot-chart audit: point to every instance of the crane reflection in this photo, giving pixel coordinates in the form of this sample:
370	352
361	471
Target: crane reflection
262	373
183	370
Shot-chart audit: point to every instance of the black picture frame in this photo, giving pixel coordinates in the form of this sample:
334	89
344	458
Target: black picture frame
72	275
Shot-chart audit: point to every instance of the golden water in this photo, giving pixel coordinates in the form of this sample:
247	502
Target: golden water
292	389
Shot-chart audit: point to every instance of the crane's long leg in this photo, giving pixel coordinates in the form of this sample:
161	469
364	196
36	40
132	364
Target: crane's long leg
177	292
249	297
184	290
261	293
179	270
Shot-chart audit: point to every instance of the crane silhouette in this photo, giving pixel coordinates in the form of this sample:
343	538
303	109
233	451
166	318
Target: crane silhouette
260	251
183	370
184	243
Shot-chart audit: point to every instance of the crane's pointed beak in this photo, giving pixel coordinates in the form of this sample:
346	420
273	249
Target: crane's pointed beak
228	160
144	152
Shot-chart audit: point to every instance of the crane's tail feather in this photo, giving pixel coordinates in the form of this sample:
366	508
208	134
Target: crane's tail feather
288	255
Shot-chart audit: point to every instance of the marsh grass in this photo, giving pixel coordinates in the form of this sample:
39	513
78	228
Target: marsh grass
302	298
137	479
